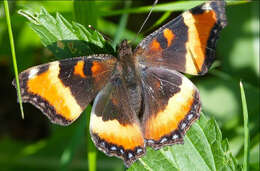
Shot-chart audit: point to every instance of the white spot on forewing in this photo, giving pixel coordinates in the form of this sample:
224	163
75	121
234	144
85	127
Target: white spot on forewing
33	73
121	151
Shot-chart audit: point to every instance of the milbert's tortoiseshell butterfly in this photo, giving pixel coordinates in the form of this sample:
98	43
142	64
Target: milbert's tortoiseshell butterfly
140	97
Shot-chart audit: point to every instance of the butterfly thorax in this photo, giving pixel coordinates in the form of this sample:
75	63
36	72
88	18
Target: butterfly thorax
126	62
127	69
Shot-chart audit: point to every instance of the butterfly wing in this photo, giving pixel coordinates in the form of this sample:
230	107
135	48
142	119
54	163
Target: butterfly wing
114	125
187	43
171	104
62	89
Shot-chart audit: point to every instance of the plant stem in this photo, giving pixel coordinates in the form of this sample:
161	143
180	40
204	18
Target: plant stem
92	153
246	130
8	20
122	25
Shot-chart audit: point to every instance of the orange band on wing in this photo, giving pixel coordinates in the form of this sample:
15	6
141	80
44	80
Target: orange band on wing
128	136
96	68
168	120
79	69
49	87
155	45
168	34
199	29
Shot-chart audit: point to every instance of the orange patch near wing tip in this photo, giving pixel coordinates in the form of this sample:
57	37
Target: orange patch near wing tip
155	45
200	26
169	35
129	136
79	69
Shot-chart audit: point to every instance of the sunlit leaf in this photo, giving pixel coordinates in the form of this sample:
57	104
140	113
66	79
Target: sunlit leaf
63	38
202	150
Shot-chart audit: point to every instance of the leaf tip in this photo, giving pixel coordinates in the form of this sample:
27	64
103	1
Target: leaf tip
241	83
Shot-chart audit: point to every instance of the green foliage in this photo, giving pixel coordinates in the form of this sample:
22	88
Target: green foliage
171	6
246	130
65	39
203	149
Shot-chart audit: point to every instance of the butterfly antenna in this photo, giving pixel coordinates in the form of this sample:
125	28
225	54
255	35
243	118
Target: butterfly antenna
155	2
105	36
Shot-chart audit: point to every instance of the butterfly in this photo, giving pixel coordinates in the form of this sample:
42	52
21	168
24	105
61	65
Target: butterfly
140	98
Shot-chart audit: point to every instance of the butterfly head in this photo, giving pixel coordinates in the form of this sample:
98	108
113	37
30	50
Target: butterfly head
124	50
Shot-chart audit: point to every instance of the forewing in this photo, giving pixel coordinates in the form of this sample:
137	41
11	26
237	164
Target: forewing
62	89
114	125
171	104
187	43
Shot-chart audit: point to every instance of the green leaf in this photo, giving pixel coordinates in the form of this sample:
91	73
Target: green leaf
202	150
66	39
